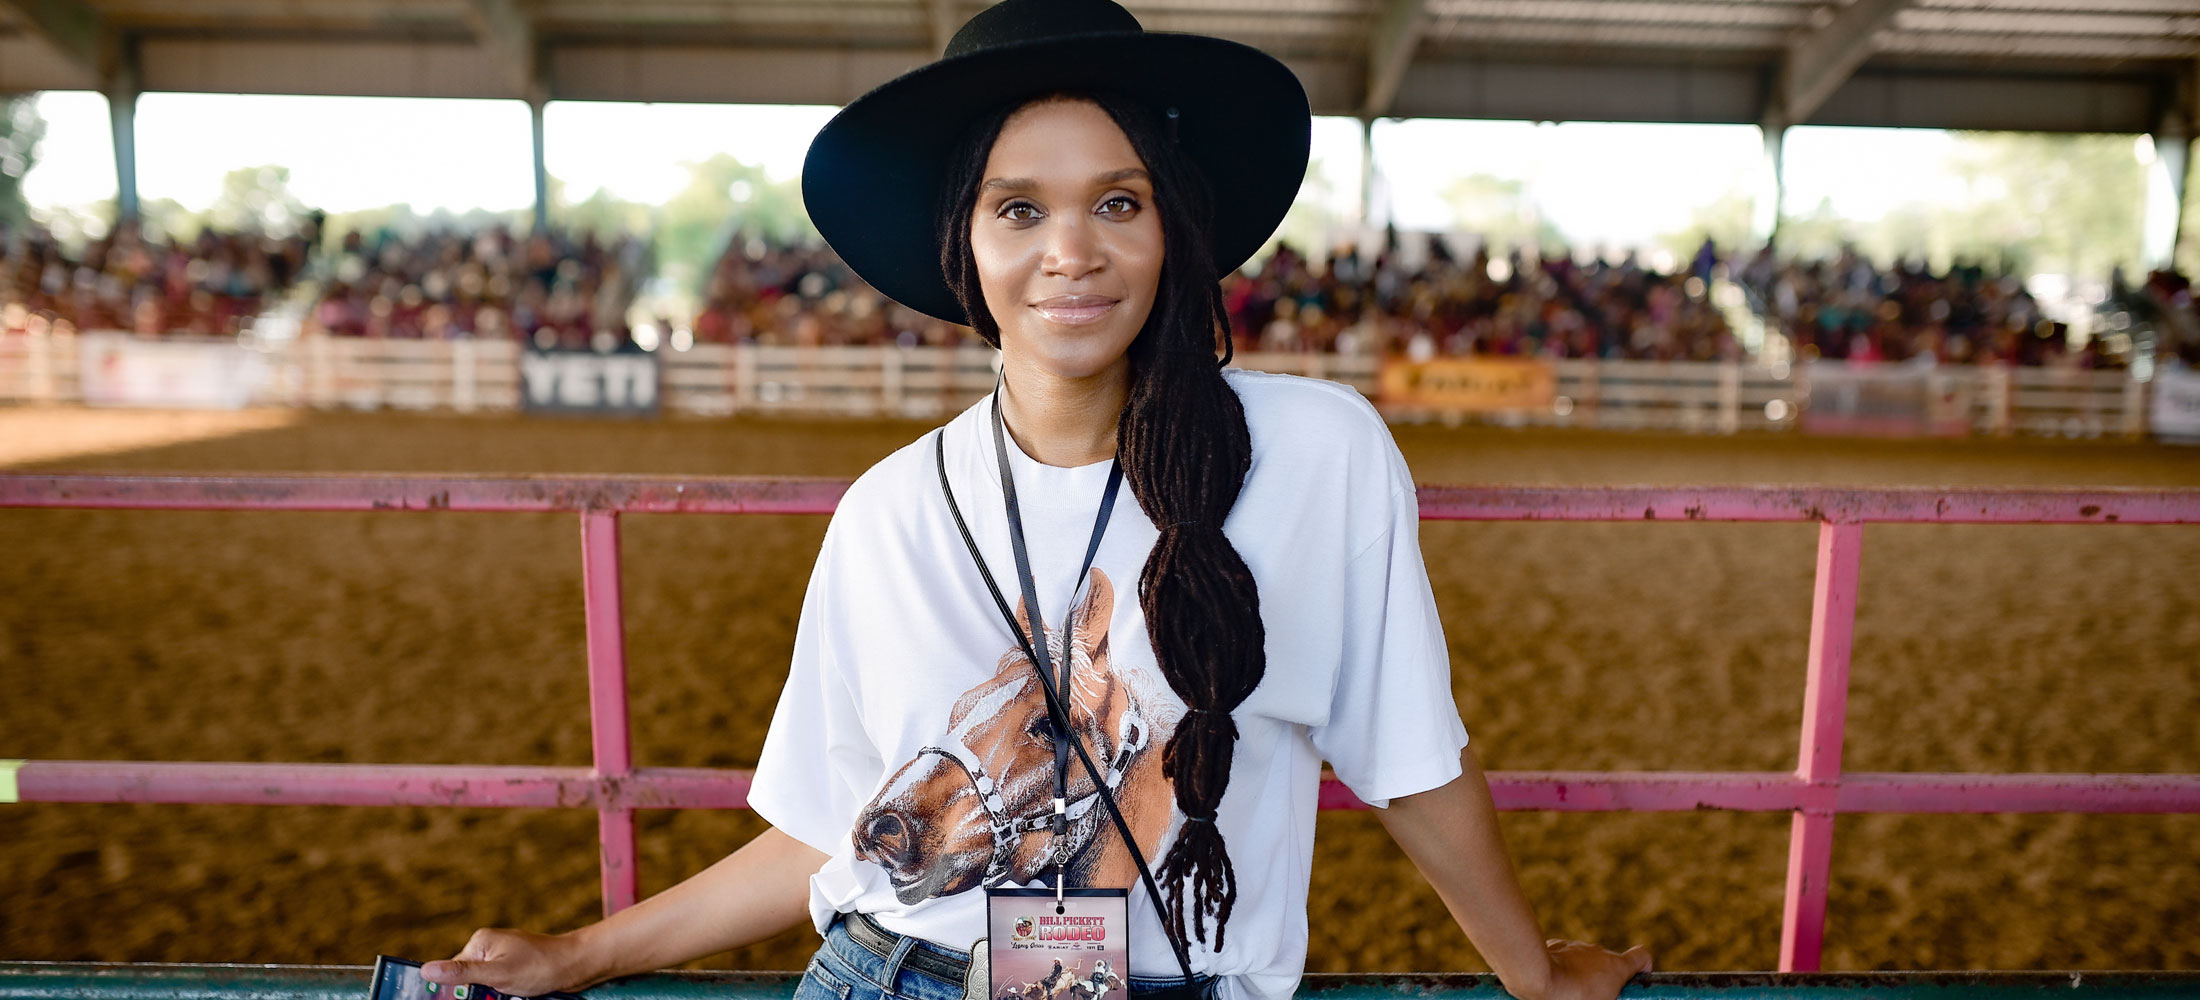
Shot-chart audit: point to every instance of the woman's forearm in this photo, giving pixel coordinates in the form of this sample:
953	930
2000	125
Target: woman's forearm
749	895
1451	834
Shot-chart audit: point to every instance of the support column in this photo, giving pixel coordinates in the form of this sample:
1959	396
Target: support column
1764	225
2165	196
535	104
122	95
1367	172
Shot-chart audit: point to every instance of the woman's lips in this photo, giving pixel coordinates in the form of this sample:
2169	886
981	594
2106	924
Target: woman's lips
1073	310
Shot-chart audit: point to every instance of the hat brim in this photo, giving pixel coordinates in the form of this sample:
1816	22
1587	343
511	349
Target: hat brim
874	174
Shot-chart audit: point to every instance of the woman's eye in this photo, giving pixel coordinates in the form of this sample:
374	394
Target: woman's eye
1009	211
1128	204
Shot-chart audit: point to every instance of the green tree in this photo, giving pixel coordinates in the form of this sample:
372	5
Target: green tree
1501	212
2033	202
1725	220
2072	204
725	196
20	131
601	212
256	198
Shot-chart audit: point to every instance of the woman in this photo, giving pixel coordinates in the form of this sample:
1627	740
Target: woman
1072	187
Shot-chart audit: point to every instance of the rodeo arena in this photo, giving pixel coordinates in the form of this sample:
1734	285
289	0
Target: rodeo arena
303	664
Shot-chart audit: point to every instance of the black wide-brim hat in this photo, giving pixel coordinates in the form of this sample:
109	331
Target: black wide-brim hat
875	174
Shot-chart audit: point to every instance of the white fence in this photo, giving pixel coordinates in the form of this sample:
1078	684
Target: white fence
924	383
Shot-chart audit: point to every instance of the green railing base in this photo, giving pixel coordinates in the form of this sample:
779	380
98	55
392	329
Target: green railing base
100	981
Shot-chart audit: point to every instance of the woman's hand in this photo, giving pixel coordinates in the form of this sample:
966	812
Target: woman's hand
749	895
1584	971
1451	834
513	962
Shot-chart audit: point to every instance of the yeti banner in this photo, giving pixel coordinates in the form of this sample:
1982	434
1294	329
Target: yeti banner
618	383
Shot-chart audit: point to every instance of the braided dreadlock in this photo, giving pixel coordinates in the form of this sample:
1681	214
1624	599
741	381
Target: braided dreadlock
1185	452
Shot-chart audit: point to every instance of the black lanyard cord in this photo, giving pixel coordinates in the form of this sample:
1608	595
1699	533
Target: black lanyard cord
1054	703
1058	676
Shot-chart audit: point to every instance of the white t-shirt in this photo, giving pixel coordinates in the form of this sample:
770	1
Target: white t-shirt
911	732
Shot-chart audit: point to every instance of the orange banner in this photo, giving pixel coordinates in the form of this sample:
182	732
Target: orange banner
1469	384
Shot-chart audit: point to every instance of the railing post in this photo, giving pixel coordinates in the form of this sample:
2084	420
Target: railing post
1825	716
1730	397
463	384
607	701
2000	411
889	381
2135	408
744	377
38	368
320	371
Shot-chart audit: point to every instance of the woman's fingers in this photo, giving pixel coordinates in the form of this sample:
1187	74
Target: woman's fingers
463	967
1587	971
515	963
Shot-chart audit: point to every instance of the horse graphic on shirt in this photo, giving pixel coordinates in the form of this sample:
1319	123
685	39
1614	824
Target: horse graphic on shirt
977	808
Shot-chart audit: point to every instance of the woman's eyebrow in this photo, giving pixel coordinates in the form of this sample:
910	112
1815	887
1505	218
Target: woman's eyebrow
1019	184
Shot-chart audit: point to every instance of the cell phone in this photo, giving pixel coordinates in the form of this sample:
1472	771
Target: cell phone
399	979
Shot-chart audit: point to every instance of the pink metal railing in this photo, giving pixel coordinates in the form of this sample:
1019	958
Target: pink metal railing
1815	792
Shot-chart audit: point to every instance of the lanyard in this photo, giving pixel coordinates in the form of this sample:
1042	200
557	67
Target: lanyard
1036	652
1036	642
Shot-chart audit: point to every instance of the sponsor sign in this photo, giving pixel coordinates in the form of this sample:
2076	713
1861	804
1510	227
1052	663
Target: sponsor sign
1882	400
2175	414
615	383
117	369
1468	384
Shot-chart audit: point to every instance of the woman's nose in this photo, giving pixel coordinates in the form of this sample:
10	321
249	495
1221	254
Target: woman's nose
1073	249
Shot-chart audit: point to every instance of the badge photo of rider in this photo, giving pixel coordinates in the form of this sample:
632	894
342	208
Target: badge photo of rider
1100	633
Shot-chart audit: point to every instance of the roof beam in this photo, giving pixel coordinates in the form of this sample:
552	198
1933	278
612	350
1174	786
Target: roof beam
1390	48
509	35
942	13
1819	62
74	30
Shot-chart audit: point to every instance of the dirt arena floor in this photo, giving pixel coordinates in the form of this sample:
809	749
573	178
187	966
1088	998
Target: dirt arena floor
448	638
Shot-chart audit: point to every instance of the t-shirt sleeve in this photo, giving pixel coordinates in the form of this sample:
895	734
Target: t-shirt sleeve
1393	728
818	764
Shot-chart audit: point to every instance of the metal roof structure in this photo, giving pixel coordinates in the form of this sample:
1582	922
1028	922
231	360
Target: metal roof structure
2049	65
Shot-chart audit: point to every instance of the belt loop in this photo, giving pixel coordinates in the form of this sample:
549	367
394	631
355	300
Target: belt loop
890	977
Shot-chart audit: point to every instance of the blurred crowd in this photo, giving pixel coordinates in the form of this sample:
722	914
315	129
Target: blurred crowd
1846	308
760	292
554	288
559	288
1453	305
2162	306
1349	304
214	284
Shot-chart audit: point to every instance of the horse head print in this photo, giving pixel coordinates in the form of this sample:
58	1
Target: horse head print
976	808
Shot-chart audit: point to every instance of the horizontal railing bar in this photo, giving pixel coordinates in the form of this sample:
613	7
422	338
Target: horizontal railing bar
192	782
727	788
99	981
1914	505
506	494
758	495
2017	793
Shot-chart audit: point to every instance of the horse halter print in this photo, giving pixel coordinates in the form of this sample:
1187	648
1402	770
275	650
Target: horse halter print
1132	736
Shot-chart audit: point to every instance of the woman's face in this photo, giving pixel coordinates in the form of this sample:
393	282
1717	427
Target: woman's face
1067	240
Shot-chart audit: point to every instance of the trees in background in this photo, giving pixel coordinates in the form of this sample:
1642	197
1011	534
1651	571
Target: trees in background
20	131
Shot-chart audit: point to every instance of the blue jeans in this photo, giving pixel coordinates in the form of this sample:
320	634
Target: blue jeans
845	970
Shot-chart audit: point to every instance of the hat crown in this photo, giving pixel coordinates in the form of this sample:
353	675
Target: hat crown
1013	21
